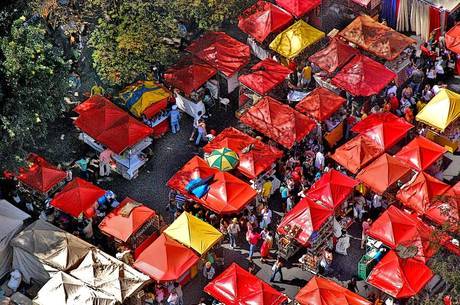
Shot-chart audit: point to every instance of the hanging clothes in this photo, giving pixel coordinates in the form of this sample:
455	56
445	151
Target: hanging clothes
402	24
420	19
389	12
435	21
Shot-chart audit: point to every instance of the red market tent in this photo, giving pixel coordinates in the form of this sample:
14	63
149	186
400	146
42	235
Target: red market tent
453	39
332	188
357	153
308	216
122	226
236	286
396	228
298	8
189	74
227	194
40	175
322	291
263	19
264	76
385	128
420	192
221	51
110	125
77	197
383	173
320	104
254	161
363	76
420	153
446	209
400	278
166	259
279	122
334	56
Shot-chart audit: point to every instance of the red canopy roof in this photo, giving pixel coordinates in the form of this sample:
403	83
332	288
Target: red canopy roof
236	286
298	8
453	39
332	188
77	197
320	104
110	125
40	175
165	259
264	76
279	122
221	51
189	74
446	209
227	194
400	278
420	153
262	19
385	128
122	226
307	215
357	152
253	162
383	172
363	76
419	193
334	56
398	228
322	291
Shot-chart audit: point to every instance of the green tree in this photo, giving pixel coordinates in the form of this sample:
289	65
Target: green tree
33	90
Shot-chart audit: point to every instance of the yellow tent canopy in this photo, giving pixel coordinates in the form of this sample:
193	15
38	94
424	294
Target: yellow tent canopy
193	233
441	111
292	41
141	95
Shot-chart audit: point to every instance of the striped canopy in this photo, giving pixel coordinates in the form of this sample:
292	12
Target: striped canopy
224	159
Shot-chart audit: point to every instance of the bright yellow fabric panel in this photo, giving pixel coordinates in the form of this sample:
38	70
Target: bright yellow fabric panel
441	111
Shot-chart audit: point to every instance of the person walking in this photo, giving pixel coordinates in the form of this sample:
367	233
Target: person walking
175	115
277	268
208	271
266	247
196	121
233	230
365	226
179	292
104	163
253	238
201	132
266	217
173	298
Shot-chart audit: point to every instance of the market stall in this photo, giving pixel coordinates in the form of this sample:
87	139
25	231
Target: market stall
192	77
224	193
322	291
105	126
357	153
445	210
223	52
298	8
420	153
132	224
148	100
236	286
334	56
260	21
279	122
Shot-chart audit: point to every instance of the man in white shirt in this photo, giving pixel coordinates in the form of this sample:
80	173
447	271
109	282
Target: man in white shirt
319	160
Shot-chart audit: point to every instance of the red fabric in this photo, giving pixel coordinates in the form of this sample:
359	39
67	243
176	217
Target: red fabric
383	173
446	209
252	163
320	104
155	108
453	39
110	125
121	226
419	193
435	21
357	153
264	76
298	8
77	197
263	19
40	176
279	122
363	76
400	278
236	286
385	128
398	228
165	259
334	56
322	291
227	194
332	188
221	51
189	74
421	153
362	2
160	129
309	216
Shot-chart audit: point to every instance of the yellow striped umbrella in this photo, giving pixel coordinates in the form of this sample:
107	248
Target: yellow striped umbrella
224	159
